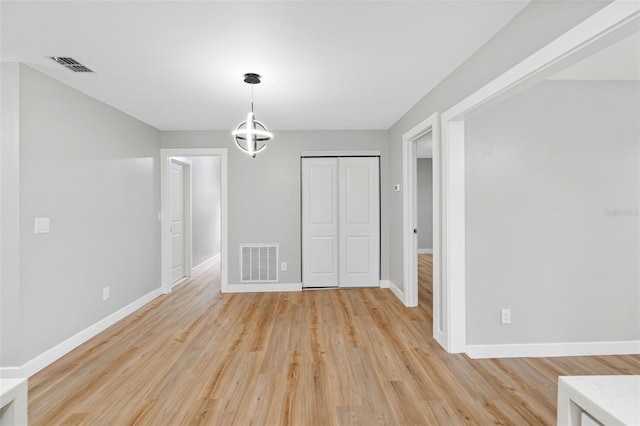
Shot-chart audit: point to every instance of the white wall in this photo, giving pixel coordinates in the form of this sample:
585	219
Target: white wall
94	172
425	203
264	192
552	215
205	208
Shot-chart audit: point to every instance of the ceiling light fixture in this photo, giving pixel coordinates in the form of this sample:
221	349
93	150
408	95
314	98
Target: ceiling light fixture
251	134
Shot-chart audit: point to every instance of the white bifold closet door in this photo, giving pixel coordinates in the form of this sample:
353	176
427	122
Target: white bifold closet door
340	222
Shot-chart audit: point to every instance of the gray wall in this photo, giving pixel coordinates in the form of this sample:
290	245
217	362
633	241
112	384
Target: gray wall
522	36
425	203
552	214
205	208
264	192
94	172
10	309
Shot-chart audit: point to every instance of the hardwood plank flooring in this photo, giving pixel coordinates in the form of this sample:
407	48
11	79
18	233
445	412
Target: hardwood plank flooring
316	357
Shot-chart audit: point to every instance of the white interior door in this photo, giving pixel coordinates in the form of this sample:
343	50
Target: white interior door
359	222
177	211
320	222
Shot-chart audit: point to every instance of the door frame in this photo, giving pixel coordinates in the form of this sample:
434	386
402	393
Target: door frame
165	220
410	220
611	23
187	219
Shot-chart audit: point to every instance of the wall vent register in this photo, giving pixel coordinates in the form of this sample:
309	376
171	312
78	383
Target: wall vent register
259	263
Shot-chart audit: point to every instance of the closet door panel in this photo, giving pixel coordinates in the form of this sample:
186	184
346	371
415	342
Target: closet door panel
359	228
320	222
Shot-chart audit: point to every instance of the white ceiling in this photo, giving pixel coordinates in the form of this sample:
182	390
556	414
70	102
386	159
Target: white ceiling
325	65
620	61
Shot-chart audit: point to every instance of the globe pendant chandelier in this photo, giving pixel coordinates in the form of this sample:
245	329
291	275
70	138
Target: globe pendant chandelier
250	135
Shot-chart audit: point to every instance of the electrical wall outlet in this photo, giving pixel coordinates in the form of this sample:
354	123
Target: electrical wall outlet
105	293
505	316
283	266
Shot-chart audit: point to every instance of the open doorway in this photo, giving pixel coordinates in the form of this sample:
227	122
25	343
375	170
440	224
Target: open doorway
423	141
424	213
194	210
194	214
460	273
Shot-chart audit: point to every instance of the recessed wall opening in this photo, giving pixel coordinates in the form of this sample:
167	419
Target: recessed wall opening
422	221
425	224
193	214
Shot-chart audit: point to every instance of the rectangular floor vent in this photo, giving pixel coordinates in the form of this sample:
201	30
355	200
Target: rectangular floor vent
258	263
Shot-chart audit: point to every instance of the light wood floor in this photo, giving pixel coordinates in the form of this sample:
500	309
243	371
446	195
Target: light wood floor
314	357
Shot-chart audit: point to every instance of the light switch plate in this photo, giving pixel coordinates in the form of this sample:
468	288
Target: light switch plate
41	225
396	187
505	316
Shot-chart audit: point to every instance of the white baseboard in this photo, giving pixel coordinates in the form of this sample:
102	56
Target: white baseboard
263	287
440	338
399	293
425	251
11	373
385	284
44	359
204	264
537	350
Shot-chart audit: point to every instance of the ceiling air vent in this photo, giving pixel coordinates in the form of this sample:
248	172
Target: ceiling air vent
71	64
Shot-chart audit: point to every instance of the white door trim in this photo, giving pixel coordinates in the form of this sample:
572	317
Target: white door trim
165	240
410	222
611	23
